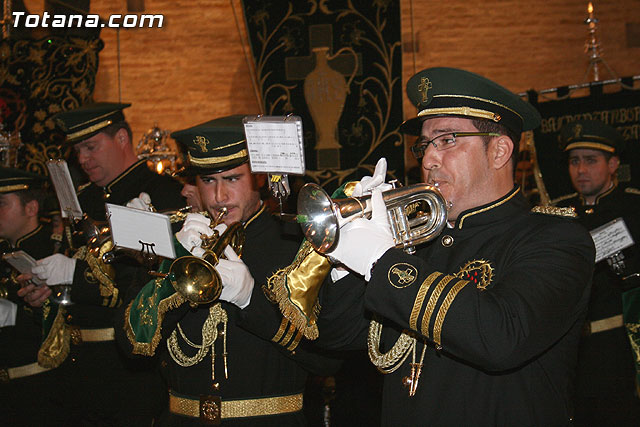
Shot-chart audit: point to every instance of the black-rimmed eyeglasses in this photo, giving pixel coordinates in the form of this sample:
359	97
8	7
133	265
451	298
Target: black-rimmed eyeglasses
444	142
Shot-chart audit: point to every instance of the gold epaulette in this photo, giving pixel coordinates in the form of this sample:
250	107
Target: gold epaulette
554	210
632	190
565	197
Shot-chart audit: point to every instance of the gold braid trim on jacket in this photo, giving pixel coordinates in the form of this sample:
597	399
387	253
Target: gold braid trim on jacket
104	273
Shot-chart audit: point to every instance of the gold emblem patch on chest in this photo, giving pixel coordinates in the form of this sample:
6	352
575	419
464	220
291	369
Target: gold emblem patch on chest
479	272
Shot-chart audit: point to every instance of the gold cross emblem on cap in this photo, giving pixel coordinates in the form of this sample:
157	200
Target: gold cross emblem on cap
424	86
577	130
201	142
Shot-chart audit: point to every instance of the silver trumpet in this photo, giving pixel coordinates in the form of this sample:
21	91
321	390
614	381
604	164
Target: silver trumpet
417	213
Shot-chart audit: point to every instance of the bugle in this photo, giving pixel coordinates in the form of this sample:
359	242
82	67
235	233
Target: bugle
417	213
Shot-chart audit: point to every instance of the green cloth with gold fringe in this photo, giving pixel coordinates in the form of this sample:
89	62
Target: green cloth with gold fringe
143	316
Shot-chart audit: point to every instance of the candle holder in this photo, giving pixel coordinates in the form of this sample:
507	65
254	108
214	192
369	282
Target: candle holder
153	147
592	47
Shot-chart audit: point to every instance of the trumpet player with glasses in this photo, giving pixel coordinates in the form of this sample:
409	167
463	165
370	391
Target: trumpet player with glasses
480	325
99	384
227	354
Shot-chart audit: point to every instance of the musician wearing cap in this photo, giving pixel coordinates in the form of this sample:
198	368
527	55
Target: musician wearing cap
481	325
605	382
99	382
21	201
228	355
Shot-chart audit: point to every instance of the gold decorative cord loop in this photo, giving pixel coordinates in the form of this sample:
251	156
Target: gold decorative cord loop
394	358
217	315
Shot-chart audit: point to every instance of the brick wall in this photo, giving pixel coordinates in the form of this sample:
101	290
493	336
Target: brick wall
194	69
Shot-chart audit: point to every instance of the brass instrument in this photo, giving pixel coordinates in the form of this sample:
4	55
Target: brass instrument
196	278
417	214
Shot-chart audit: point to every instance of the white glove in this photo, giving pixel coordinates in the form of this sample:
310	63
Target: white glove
368	183
337	274
56	269
237	282
363	241
142	202
190	234
8	313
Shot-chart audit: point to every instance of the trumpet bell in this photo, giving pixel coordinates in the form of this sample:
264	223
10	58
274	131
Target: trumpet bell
196	280
318	217
417	213
61	295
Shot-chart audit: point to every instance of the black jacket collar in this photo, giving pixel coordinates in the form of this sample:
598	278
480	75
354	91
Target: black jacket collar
505	207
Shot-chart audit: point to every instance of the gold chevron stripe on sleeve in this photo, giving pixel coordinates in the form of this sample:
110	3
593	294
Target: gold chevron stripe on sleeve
422	292
283	327
431	304
444	308
295	341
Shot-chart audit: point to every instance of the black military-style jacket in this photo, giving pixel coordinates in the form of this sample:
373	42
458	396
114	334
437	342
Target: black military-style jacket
264	358
499	298
98	382
128	185
94	308
606	373
19	344
617	202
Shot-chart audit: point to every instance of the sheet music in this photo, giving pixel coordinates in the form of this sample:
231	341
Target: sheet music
141	230
611	238
66	193
275	144
23	262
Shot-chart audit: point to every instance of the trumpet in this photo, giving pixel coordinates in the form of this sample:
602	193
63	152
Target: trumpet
196	278
417	214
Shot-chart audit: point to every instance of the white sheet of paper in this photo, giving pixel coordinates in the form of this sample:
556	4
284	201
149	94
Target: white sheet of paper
131	227
275	144
22	261
610	238
66	193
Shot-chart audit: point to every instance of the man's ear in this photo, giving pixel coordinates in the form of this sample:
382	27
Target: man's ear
500	150
122	137
613	164
31	208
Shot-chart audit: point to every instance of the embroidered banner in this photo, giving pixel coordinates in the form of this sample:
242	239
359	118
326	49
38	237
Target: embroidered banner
620	110
337	65
39	78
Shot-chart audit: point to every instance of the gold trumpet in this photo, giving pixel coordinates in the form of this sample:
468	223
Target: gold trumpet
417	213
196	278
